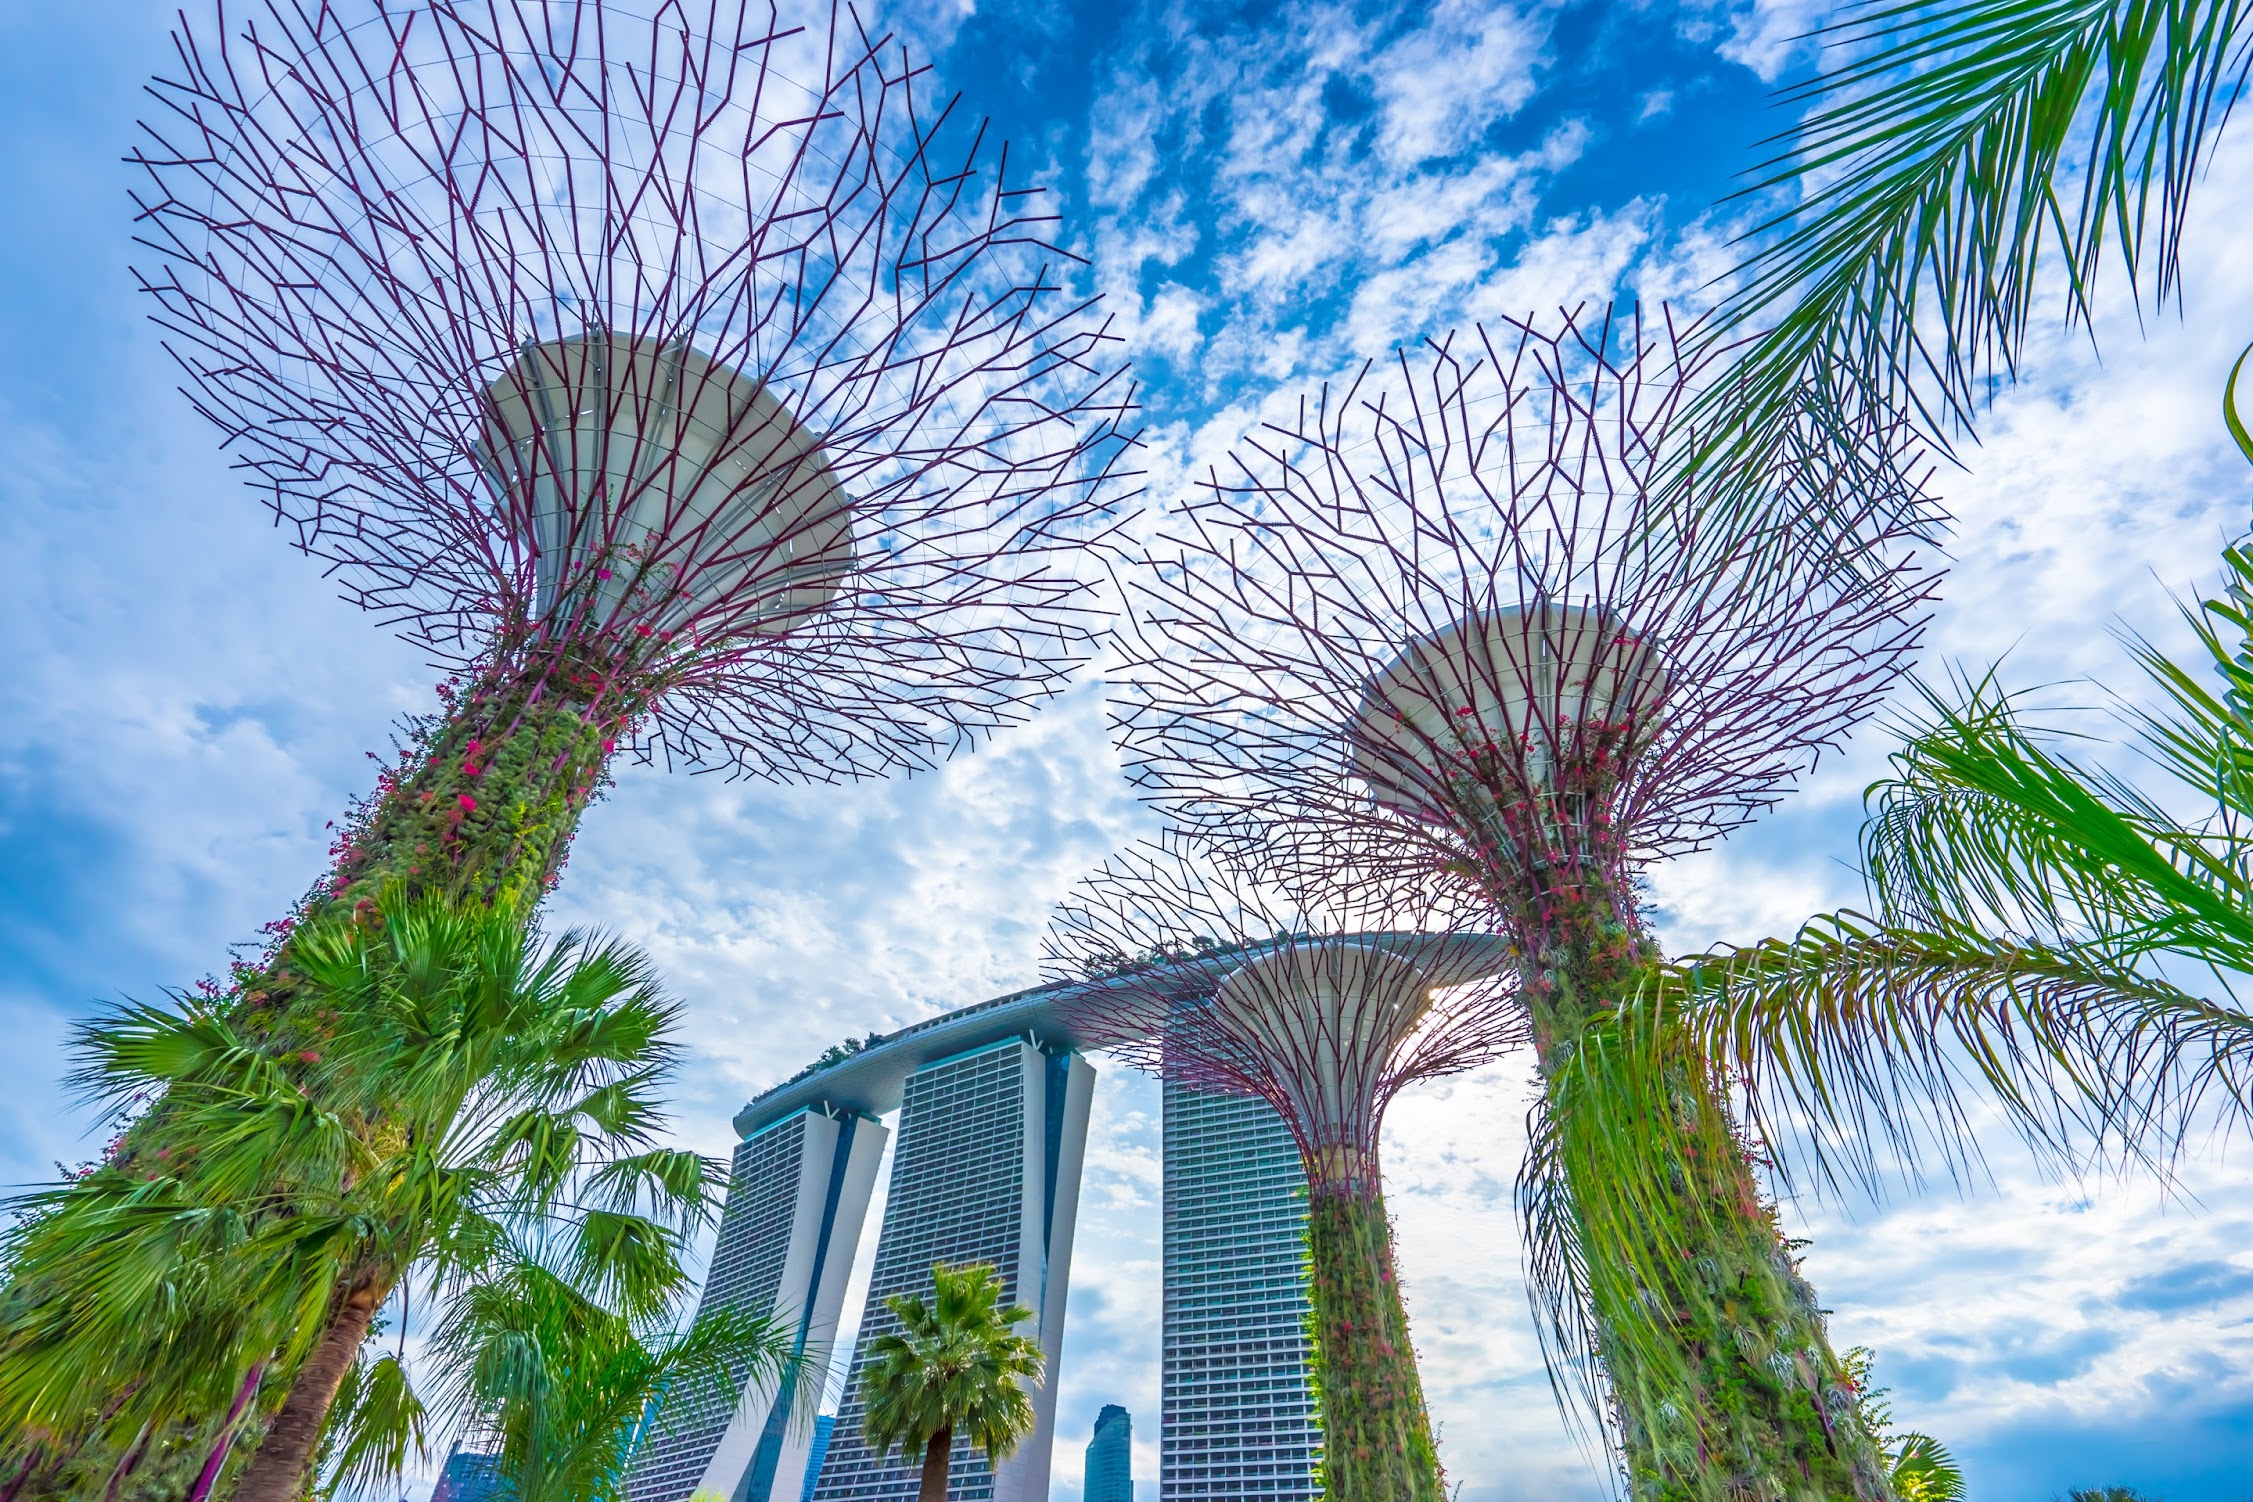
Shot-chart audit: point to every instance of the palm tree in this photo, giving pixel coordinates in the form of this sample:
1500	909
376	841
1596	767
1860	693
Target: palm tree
564	1385
2036	922
953	1367
1971	156
455	1097
1918	1467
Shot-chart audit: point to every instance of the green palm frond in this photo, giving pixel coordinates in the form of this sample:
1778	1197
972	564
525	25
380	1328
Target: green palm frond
1971	157
565	1380
1924	1471
1559	1286
2206	741
1984	824
1858	1042
2232	417
956	1363
449	1096
379	1426
2038	924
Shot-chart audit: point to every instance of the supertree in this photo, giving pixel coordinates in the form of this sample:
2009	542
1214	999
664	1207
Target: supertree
680	378
683	379
1448	617
1324	1008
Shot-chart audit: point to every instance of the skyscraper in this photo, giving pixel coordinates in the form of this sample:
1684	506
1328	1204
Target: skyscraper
1110	1457
824	1426
986	1168
796	1197
472	1476
1239	1420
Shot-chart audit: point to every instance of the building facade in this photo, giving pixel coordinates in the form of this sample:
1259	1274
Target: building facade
992	1125
986	1169
797	1194
1110	1458
472	1476
824	1426
1238	1419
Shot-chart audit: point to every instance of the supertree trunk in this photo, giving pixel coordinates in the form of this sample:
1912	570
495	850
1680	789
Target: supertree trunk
487	811
1376	1435
1205	976
796	476
1723	1380
480	808
1456	628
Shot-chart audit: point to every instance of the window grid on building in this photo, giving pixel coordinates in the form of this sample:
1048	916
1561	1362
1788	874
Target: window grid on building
957	1196
1238	1405
746	1273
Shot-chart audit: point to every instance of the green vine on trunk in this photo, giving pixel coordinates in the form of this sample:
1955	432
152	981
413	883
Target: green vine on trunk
1722	1381
1376	1444
478	809
1723	1378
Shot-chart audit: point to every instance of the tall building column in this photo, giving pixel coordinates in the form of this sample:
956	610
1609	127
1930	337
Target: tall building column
1238	1417
986	1168
797	1196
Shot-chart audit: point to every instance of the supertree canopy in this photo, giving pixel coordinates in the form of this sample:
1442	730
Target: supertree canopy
1451	621
680	376
1323	1008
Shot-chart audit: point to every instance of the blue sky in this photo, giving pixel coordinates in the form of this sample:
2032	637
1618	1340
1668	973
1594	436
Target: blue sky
1267	194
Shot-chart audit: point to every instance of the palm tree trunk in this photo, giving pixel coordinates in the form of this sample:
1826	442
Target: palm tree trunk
224	1441
1376	1434
936	1456
33	1454
1722	1374
276	1473
127	1462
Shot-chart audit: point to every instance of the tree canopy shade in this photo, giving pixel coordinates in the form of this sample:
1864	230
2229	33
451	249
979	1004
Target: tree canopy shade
464	1100
1968	159
2038	925
956	1368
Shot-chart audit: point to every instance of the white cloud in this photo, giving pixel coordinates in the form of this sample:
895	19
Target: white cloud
185	707
1443	82
1767	36
1332	164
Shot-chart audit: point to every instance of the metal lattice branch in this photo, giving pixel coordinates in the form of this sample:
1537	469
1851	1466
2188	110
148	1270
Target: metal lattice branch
714	360
1451	613
1323	1009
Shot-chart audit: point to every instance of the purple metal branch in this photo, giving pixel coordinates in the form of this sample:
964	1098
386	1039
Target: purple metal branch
710	363
1324	1008
1452	616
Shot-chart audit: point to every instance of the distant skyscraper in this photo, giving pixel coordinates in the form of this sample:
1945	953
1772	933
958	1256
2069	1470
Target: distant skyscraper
1110	1457
471	1476
1239	1419
814	1457
796	1197
985	1168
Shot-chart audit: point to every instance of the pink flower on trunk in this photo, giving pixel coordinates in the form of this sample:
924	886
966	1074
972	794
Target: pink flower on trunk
469	804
